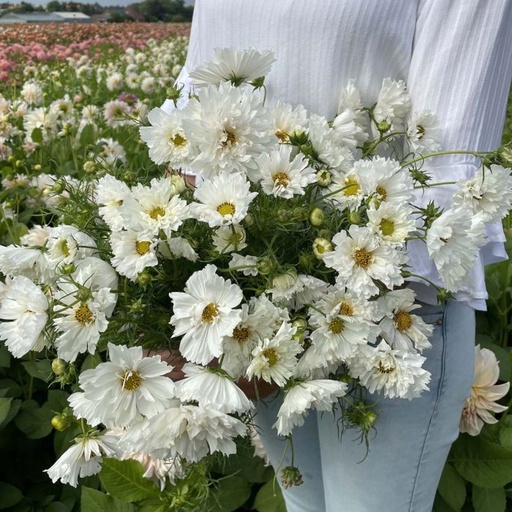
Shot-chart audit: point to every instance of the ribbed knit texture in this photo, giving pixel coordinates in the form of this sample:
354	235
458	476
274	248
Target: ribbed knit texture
455	56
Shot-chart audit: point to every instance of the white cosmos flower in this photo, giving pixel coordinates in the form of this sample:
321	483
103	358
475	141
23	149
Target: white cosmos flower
328	143
489	193
245	264
204	313
452	243
232	65
111	194
80	322
83	458
345	190
394	373
287	120
313	394
125	389
350	111
111	152
423	133
133	252
227	239
359	258
155	207
229	127
20	260
256	323
222	200
337	329
385	180
399	327
294	291
392	106
484	393
282	176
177	247
66	244
166	138
209	387
274	359
391	222
23	315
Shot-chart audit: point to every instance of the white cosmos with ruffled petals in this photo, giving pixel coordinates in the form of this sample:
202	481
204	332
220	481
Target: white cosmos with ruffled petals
23	315
319	394
204	313
125	389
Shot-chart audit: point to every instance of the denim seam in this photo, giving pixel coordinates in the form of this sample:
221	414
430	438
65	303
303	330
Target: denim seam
434	409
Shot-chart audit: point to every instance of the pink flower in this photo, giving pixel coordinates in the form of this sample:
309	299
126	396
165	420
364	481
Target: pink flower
484	394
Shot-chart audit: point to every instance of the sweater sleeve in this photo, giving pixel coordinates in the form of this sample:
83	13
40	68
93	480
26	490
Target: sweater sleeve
461	68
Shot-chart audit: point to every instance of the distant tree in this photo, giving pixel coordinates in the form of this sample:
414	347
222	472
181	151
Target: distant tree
54	5
24	7
165	10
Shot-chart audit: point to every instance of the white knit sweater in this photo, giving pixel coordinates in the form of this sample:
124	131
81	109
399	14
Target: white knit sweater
455	56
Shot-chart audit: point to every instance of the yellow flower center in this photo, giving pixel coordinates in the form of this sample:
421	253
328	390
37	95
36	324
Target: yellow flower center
226	209
271	355
209	313
386	367
157	212
230	138
403	321
282	136
241	333
64	248
382	192
178	140
346	309
142	247
281	178
131	380
337	326
387	227
351	186
84	315
363	258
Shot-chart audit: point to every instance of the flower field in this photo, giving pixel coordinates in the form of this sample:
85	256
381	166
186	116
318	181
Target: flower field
101	239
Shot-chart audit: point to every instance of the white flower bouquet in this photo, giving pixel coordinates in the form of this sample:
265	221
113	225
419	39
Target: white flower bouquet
286	263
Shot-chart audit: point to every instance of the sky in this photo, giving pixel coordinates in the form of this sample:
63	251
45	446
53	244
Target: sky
101	2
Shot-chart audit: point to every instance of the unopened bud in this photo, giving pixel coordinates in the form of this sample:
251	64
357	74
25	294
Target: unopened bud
383	126
323	177
61	422
320	247
59	366
316	217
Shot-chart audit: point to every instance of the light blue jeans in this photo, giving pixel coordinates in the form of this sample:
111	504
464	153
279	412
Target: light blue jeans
406	456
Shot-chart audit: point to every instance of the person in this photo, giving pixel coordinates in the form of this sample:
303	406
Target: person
456	59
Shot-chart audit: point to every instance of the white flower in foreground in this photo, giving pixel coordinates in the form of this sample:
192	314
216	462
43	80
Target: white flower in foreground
80	321
223	200
23	315
245	264
231	65
209	387
125	389
204	313
166	138
66	244
19	260
345	190
484	393
489	193
400	328
385	180
394	373
274	359
282	176
314	394
177	247
229	238
83	458
229	127
155	208
392	106
111	194
359	258
287	120
423	133
133	252
452	243
390	222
